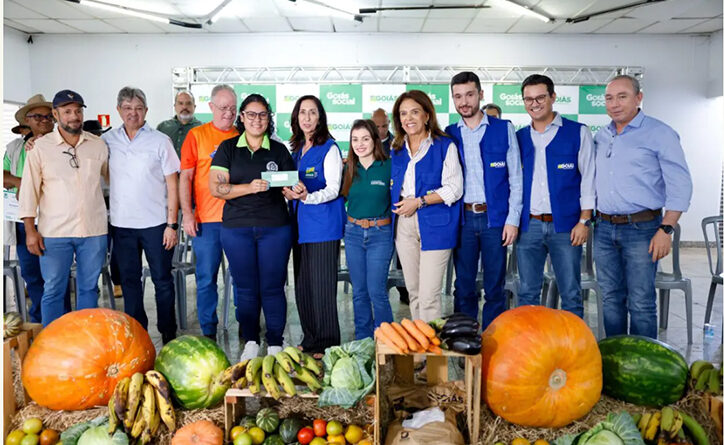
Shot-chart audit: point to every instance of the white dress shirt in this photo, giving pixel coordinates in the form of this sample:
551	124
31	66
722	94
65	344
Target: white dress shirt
452	173
332	175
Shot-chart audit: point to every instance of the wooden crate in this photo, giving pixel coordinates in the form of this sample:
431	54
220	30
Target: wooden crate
235	408
437	372
20	345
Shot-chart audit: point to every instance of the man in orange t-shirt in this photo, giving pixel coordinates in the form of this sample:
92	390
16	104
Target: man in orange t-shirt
197	151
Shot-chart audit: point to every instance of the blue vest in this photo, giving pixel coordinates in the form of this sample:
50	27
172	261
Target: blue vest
439	224
317	222
493	152
564	179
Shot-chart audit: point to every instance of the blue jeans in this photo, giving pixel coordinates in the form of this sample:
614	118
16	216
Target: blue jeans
258	259
477	238
627	276
368	253
55	263
534	246
208	251
128	245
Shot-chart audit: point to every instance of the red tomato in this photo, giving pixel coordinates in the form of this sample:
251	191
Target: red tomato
320	427
305	435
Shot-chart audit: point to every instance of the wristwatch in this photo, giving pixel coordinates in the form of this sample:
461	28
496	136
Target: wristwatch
668	229
173	226
585	222
423	203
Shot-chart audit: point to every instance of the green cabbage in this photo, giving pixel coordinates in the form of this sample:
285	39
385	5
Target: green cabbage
99	436
617	429
349	373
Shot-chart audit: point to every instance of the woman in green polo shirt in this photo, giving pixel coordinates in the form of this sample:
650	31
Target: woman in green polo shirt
368	233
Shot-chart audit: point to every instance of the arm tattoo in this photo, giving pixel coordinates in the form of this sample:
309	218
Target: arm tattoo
223	187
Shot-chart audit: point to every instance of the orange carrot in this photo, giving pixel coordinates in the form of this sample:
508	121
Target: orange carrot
435	341
392	334
416	333
434	349
383	338
412	345
425	328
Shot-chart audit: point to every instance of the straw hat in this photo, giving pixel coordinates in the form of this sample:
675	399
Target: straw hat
36	101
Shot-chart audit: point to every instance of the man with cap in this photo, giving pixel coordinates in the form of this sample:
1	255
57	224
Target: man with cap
37	117
61	188
178	126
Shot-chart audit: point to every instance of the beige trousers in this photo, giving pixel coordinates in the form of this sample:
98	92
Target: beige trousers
423	270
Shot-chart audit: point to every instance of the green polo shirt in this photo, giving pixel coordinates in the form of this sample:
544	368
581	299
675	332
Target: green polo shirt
369	195
174	129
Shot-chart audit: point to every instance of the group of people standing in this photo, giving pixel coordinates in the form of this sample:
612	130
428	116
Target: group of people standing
468	192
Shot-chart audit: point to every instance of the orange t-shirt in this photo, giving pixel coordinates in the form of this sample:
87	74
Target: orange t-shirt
197	151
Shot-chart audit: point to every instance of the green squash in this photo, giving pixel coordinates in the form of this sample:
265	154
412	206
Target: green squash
267	419
289	428
274	439
12	324
642	371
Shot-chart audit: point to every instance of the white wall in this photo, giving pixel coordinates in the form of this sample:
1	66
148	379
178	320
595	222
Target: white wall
677	84
16	66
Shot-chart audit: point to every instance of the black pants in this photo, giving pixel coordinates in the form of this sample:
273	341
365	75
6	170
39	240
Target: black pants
128	243
315	283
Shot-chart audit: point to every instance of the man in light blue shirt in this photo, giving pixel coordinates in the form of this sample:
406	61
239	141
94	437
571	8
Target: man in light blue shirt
558	196
490	159
144	207
640	169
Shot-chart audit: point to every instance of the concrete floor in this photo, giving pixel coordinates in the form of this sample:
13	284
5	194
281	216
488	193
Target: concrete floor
694	265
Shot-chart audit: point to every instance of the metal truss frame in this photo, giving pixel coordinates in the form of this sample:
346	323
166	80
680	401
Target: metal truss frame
184	77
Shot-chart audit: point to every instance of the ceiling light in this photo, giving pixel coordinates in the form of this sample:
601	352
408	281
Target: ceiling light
218	12
135	13
513	6
334	11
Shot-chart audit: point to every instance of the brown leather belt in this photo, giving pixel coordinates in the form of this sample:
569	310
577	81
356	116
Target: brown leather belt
367	223
545	217
643	216
476	208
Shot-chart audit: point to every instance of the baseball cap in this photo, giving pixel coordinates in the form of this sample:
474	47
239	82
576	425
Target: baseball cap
66	97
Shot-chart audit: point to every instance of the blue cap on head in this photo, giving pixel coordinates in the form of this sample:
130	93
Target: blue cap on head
66	97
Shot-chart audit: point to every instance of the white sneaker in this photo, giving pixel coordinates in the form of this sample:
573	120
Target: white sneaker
273	350
251	350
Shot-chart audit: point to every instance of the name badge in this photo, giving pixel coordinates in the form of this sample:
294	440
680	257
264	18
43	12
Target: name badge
281	179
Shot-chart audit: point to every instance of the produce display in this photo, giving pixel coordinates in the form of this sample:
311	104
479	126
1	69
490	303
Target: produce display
93	432
541	367
12	324
349	373
274	373
409	337
32	431
642	371
617	429
77	360
267	429
459	332
705	377
670	426
202	432
139	404
192	366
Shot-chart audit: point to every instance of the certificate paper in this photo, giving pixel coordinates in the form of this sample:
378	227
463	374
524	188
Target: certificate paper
281	179
11	206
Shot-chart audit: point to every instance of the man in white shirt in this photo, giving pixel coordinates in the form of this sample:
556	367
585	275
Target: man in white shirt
144	207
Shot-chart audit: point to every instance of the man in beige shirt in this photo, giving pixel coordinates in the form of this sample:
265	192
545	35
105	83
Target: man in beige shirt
62	189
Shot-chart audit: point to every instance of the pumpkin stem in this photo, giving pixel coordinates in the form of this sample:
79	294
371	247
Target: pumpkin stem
557	380
112	370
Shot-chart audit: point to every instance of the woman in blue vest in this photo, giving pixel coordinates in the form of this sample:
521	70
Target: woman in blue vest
427	184
368	234
319	213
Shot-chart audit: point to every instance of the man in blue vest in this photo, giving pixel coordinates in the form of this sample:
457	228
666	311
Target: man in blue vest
558	196
490	159
640	168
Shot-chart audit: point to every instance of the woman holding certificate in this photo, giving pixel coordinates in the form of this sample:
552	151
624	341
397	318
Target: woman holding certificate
256	232
319	214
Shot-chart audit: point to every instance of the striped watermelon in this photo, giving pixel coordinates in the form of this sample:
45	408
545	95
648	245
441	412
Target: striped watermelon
642	370
191	365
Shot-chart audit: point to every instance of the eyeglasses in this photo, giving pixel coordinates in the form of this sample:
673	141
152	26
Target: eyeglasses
40	117
73	158
252	115
539	99
228	109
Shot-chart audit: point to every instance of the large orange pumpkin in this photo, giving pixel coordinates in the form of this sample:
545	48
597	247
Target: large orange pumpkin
76	361
541	367
202	432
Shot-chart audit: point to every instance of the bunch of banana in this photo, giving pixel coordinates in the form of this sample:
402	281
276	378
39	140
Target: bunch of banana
669	426
705	377
139	403
275	371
